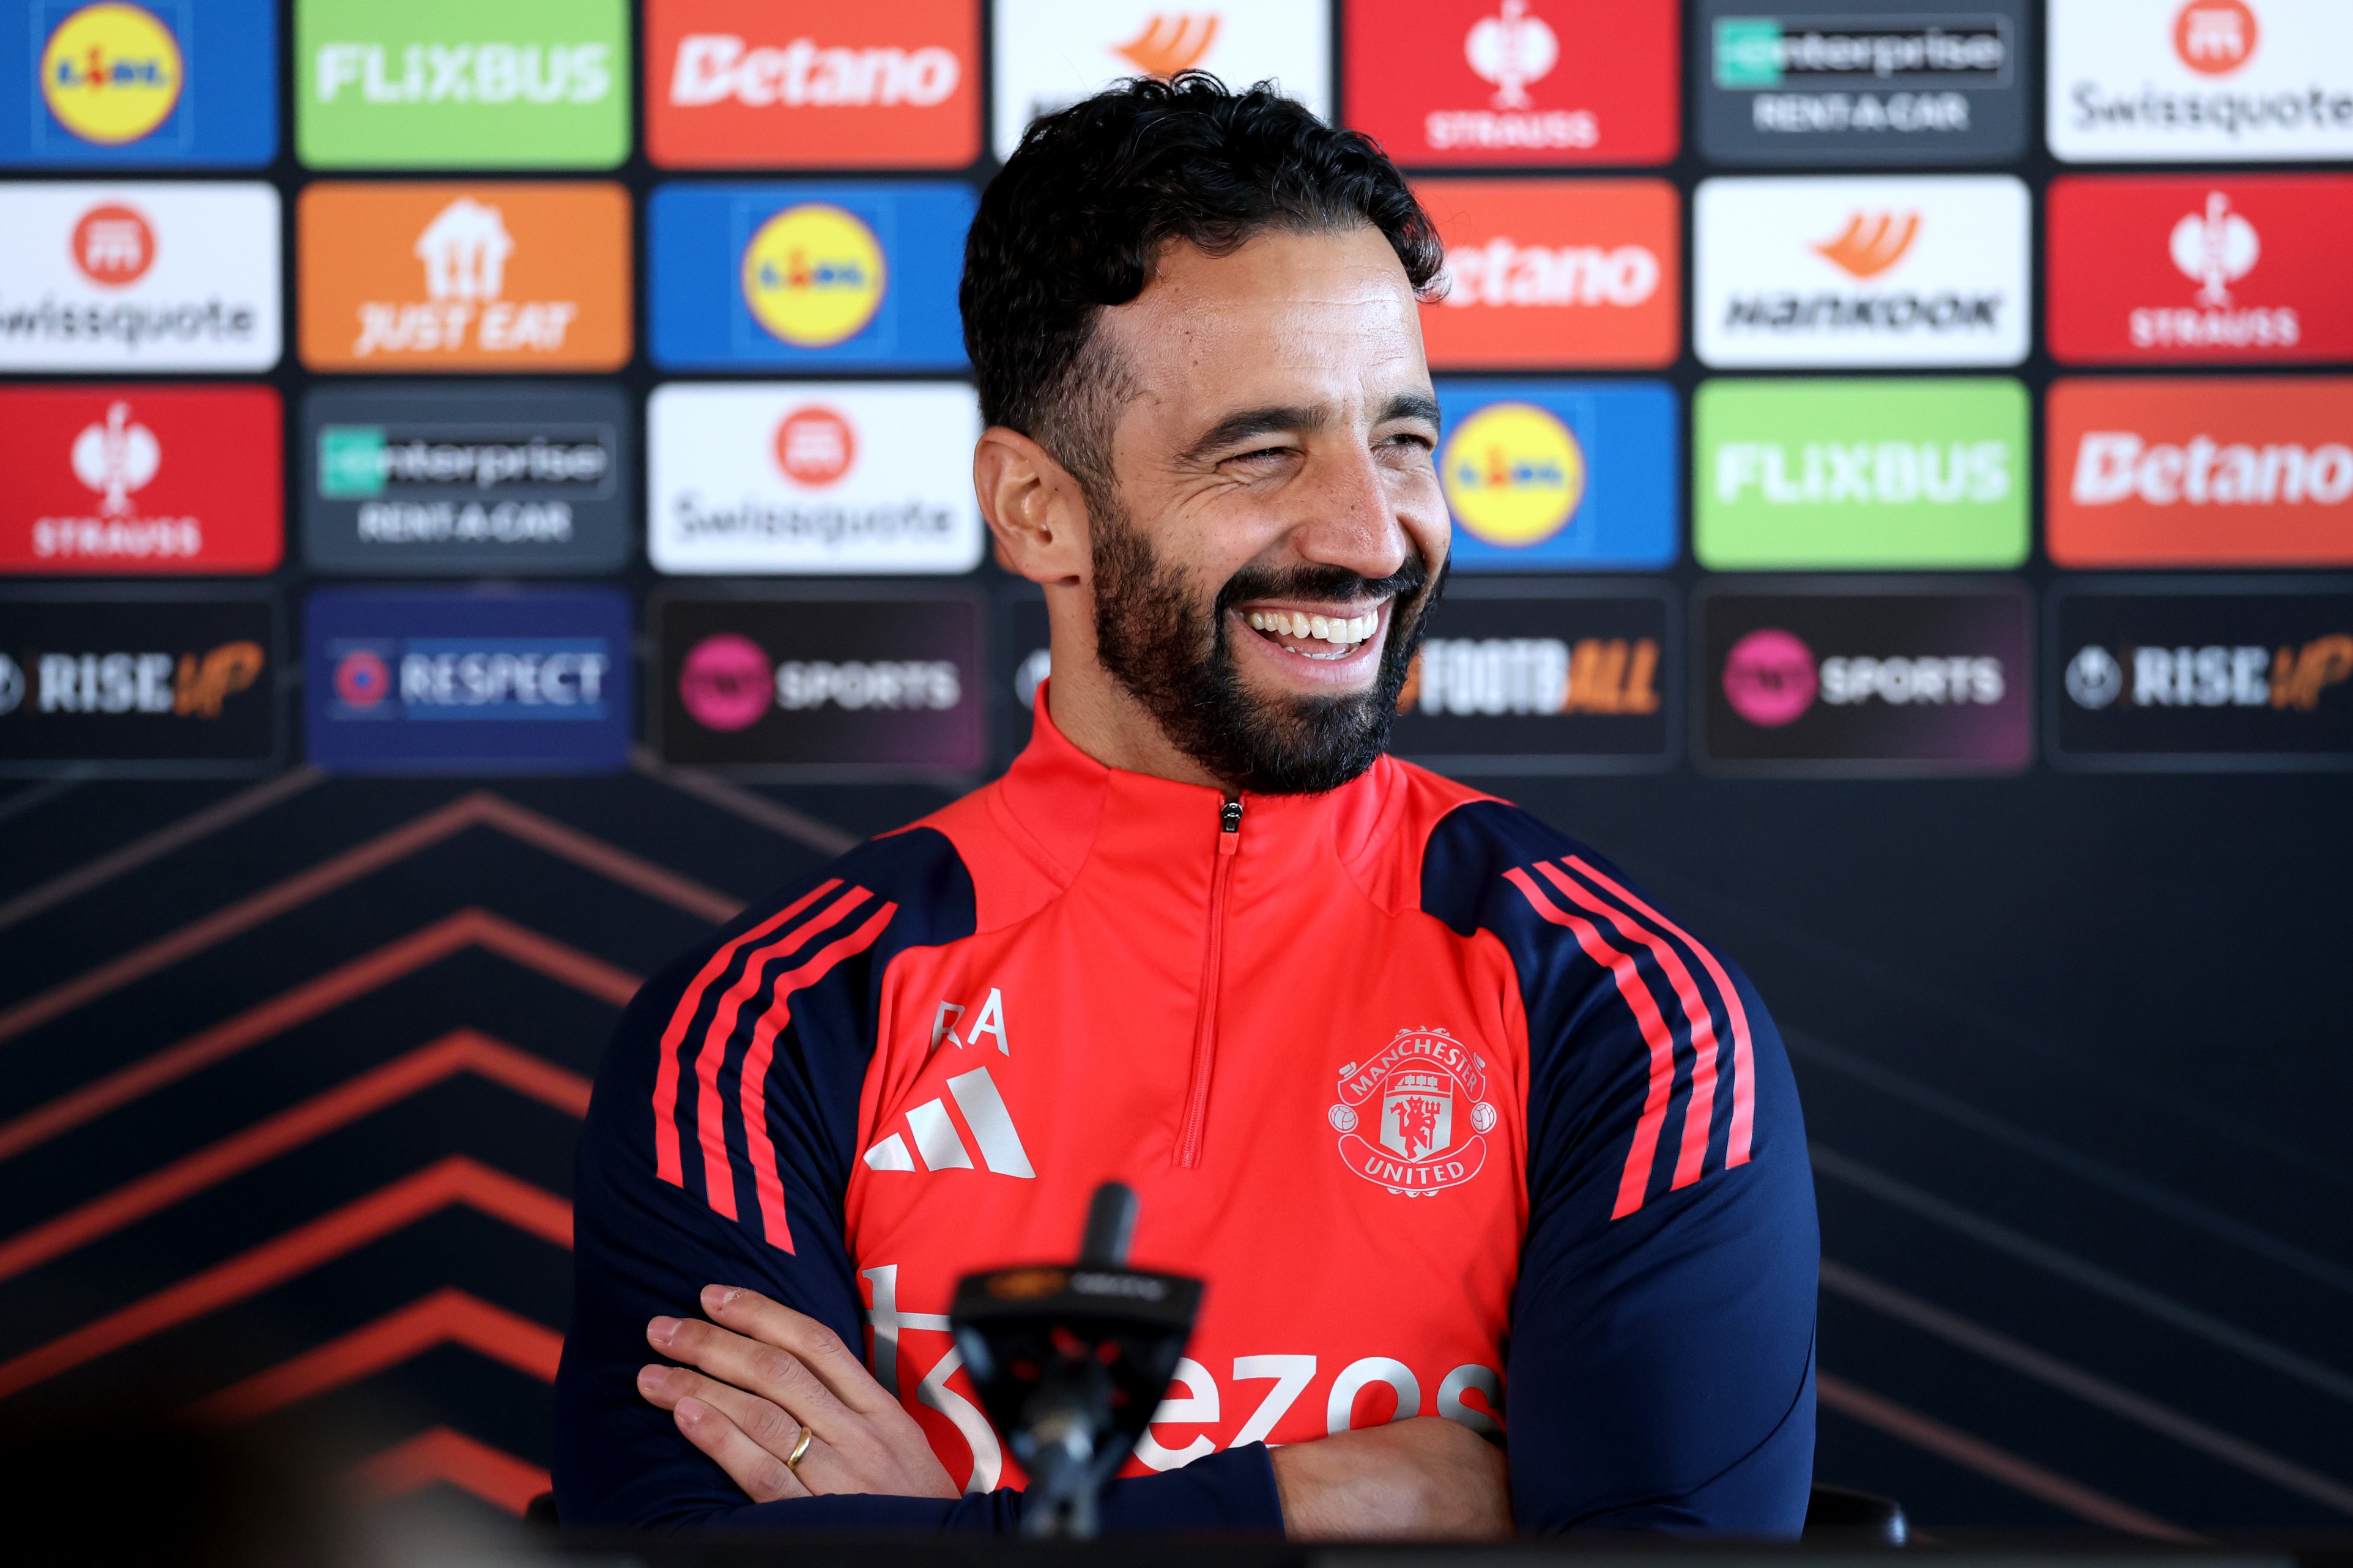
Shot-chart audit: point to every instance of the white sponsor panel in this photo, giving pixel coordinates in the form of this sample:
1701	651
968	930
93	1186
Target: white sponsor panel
1051	53
134	275
1919	270
770	477
2201	80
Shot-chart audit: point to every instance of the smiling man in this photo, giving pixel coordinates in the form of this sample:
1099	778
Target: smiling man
1495	1174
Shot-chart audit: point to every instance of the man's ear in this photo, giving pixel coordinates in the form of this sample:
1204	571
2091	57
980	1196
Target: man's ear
1036	516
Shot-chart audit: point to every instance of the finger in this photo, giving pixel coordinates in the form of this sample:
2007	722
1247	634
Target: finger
762	1475
823	1468
749	1365
819	1348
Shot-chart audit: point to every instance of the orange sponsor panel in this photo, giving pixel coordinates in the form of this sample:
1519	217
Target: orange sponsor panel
2202	471
808	84
464	276
1556	274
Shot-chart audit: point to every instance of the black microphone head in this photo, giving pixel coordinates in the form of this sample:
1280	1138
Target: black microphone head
1111	1227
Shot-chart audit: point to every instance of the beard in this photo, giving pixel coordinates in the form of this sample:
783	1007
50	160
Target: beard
1154	637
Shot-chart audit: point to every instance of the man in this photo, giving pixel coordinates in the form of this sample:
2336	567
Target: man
1434	1099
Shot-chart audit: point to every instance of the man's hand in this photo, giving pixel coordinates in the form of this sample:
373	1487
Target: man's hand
1425	1477
771	1371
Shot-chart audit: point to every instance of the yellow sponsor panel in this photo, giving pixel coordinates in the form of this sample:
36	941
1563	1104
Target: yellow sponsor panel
111	72
1513	474
813	275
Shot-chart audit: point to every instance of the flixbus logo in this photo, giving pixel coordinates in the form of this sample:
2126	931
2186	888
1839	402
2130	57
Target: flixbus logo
803	84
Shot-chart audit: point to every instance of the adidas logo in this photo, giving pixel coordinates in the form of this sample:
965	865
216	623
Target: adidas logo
941	1147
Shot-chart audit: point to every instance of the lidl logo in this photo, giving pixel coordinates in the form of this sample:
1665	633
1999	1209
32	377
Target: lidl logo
1547	475
462	83
492	276
809	276
2200	81
1513	474
111	72
1889	473
813	275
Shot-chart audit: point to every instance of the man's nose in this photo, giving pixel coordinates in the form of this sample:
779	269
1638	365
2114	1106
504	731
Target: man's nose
1348	519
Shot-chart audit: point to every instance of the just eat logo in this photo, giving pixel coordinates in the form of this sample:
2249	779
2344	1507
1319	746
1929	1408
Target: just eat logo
801	84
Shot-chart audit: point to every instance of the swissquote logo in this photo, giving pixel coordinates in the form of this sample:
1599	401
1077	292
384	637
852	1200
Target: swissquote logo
111	72
1925	270
1413	1117
1554	272
1051	53
496	276
152	479
1513	81
139	277
2220	80
812	477
753	83
2175	269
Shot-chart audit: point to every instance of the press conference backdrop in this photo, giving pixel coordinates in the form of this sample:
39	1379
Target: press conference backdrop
484	492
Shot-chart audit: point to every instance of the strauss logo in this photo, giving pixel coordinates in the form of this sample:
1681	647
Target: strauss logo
115	458
2214	248
1170	42
1511	51
1870	243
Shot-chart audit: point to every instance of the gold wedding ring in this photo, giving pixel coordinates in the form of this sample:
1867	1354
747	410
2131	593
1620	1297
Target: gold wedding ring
793	1460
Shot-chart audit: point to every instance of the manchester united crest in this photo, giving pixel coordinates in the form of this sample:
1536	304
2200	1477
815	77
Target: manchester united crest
1412	1118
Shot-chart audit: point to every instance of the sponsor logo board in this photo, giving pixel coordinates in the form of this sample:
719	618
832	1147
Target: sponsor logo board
461	84
1835	82
822	686
457	680
2169	269
491	274
2197	80
140	479
809	276
1885	678
1555	273
2226	674
1541	676
812	477
138	277
1901	472
1548	475
734	84
1049	54
2200	471
139	84
140	685
1494	83
526	478
1919	270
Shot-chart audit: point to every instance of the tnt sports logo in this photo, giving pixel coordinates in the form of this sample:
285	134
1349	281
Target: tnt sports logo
362	679
1769	679
111	73
2214	37
1514	475
725	682
1424	1094
813	275
113	246
815	445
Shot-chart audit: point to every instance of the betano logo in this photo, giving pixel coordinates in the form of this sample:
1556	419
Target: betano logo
1513	474
111	73
2215	38
715	67
813	275
1554	273
1170	42
113	244
1869	244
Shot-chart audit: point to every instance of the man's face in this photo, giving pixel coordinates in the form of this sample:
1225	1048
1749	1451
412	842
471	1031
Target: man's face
1278	530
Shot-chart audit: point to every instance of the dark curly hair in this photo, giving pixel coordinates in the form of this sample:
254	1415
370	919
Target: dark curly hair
1073	221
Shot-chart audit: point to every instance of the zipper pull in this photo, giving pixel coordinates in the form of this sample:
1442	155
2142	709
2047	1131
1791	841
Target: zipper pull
1229	827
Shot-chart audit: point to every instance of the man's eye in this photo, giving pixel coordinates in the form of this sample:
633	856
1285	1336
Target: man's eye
1260	454
1411	440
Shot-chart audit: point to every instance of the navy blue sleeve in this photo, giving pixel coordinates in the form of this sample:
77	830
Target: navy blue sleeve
1661	1372
717	1151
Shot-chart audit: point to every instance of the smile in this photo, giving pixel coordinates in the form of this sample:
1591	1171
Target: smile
1323	638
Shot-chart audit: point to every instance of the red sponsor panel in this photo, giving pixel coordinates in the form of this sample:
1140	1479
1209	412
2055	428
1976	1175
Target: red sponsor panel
1482	83
141	479
2200	471
796	84
2180	268
1556	274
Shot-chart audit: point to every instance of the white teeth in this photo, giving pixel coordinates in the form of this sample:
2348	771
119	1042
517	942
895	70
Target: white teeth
1319	628
1301	625
1344	632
